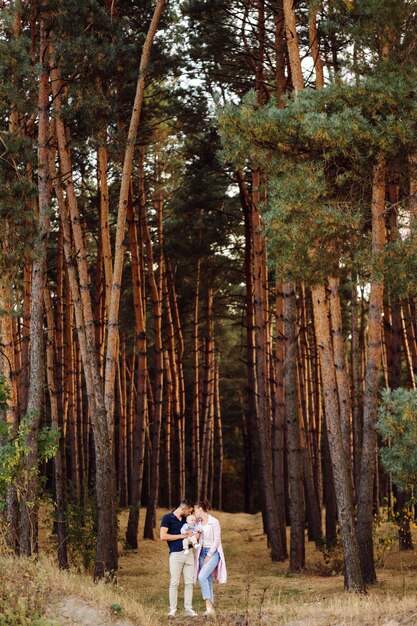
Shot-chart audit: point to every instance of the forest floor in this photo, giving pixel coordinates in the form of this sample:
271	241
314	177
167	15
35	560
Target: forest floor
258	592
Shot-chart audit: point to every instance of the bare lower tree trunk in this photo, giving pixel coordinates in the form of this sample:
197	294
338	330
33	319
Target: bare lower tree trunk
357	387
208	398
251	411
340	366
139	426
264	412
8	371
372	374
58	473
157	296
278	433
179	358
341	475
195	434
294	451
218	439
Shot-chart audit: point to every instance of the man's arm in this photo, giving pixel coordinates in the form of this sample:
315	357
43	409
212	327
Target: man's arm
165	536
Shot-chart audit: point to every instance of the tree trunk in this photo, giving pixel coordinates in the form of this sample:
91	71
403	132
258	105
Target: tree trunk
139	427
195	435
208	397
278	432
372	374
59	482
218	439
112	335
342	479
357	387
251	411
340	366
294	451
157	296
28	522
264	412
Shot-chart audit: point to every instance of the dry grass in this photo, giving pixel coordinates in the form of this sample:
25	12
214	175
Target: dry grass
258	592
261	592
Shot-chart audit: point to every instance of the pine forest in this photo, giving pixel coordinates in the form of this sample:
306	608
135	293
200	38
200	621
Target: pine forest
208	262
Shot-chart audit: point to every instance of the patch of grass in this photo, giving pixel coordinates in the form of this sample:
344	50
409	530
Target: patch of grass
260	592
23	594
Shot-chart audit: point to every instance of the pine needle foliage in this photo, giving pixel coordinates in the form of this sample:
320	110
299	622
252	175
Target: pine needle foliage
317	153
397	426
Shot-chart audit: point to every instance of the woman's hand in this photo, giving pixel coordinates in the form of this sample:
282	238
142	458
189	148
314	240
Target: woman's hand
207	559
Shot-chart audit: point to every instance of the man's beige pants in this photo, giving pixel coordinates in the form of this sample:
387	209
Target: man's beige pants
180	562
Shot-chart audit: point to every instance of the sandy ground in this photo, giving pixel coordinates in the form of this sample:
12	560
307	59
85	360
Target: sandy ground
69	611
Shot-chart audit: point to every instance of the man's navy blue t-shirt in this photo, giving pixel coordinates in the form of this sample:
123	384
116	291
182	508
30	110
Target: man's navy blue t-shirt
174	526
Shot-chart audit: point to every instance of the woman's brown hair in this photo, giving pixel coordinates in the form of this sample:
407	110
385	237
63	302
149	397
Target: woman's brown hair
203	504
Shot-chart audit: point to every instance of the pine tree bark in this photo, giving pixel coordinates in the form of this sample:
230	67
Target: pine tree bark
342	480
156	281
264	409
112	335
251	411
179	359
340	366
106	552
372	373
278	432
218	439
294	451
208	397
28	520
357	387
8	371
141	407
195	448
58	473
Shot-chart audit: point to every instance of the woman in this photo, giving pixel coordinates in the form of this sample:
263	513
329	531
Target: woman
209	558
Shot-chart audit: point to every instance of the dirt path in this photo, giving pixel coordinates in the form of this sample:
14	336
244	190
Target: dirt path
71	611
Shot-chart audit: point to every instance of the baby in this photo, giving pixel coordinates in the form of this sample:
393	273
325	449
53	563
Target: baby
192	539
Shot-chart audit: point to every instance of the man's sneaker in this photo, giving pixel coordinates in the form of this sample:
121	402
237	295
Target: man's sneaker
172	613
190	613
186	551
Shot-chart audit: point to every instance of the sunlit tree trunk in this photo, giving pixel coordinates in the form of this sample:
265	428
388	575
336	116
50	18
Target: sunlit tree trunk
218	439
357	386
342	480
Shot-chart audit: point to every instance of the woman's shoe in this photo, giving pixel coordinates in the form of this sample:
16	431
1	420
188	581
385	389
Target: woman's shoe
210	612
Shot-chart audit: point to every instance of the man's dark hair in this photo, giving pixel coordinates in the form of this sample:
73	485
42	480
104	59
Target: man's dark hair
186	503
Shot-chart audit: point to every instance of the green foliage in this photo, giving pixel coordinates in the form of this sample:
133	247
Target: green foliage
81	527
385	534
397	426
318	152
12	452
333	557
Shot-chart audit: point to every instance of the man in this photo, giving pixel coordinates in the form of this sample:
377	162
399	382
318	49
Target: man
179	561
